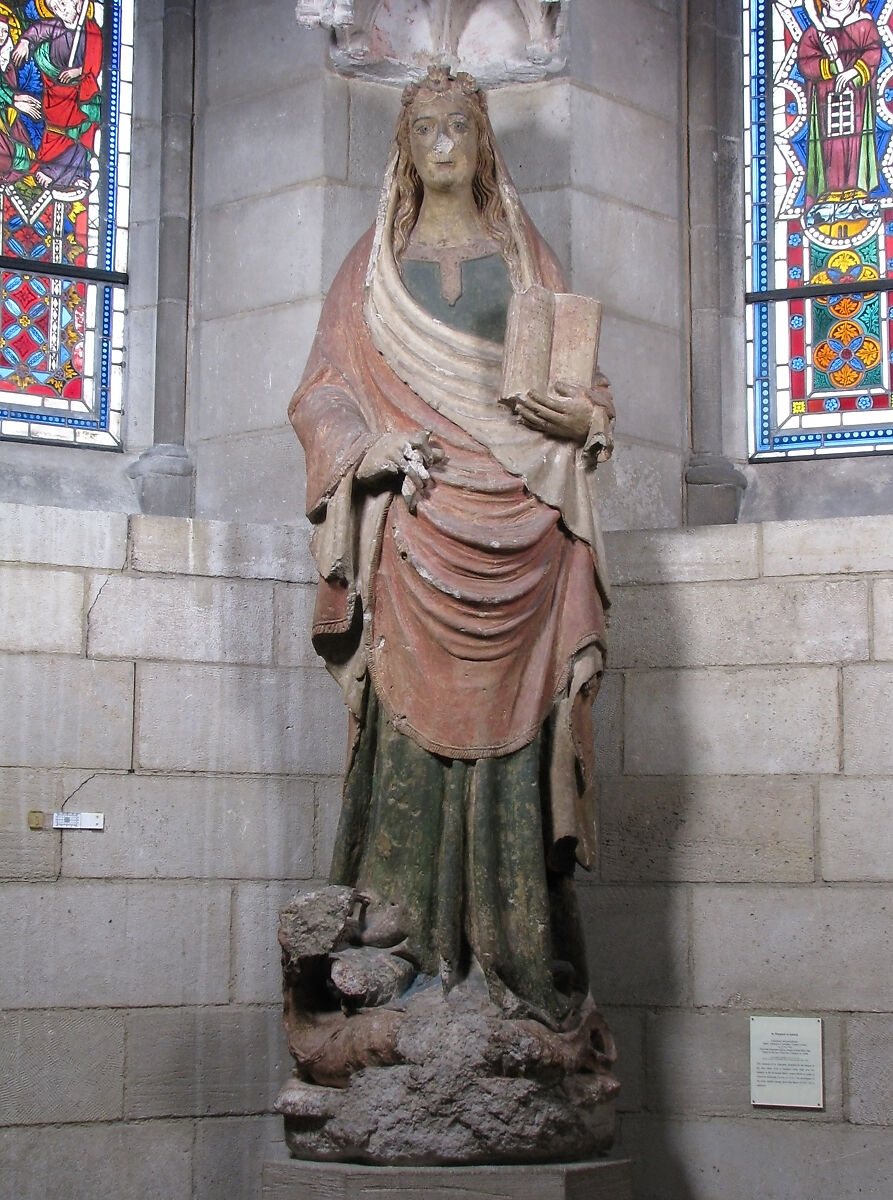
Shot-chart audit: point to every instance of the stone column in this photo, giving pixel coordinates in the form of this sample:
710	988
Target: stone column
163	473
714	484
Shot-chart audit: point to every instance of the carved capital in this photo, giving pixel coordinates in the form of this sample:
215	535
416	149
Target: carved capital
394	42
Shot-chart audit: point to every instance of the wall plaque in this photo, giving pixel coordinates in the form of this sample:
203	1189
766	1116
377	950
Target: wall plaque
786	1062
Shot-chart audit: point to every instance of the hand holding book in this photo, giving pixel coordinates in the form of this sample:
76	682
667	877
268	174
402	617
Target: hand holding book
550	378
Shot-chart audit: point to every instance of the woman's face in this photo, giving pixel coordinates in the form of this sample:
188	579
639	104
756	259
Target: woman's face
443	142
838	9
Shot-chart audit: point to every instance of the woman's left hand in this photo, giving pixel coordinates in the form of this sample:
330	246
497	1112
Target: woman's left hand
566	412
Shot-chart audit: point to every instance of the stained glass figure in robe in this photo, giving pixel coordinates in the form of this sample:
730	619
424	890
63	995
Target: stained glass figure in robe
59	161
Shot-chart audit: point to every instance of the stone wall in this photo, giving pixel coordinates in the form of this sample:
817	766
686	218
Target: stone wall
746	851
158	670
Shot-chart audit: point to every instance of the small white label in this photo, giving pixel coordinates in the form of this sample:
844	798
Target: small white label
78	820
786	1062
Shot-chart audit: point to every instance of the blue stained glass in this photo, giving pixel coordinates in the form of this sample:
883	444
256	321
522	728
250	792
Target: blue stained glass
67	212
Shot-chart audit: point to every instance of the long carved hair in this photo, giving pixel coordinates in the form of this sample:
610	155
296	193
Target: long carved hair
485	185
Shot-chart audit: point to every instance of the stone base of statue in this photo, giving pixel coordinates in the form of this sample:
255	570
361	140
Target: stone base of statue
392	1068
605	1179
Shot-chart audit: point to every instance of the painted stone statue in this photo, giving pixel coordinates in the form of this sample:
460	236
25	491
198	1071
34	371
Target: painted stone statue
437	999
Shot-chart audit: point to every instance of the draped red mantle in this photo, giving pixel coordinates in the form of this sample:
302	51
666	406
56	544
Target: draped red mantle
482	614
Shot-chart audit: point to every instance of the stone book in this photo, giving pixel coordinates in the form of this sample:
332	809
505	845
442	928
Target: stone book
549	338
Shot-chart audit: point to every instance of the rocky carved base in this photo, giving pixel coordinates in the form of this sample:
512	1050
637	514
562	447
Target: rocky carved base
391	1068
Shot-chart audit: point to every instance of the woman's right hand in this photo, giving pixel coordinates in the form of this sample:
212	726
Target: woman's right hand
399	454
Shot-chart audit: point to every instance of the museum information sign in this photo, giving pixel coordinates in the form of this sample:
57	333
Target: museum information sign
786	1062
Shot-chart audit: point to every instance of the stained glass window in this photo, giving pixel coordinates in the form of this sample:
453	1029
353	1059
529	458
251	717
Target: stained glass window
65	114
819	209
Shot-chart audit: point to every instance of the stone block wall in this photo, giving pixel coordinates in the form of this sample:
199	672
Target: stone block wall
746	853
158	670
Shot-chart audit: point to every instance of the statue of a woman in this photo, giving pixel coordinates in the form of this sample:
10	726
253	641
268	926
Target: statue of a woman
461	606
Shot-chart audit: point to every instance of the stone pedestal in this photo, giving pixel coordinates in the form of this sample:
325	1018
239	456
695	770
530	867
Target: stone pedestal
601	1179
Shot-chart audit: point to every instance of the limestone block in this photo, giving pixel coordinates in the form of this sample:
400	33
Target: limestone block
642	486
229	1155
869	1042
759	947
605	133
734	371
533	125
147	66
139	413
251	719
227	474
600	1179
293	609
348	213
65	712
257	969
65	537
199	620
680	722
607	716
30	478
328	811
41	610
114	944
232	64
699	1062
26	853
247	366
608	237
104	1162
193	547
61	1065
716	829
300	130
753	622
719	552
844	546
829	492
883	618
192	827
274	270
645	367
145	149
628	52
637	943
855	831
867	745
143	262
626	1025
198	1061
738	1159
550	211
373	117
